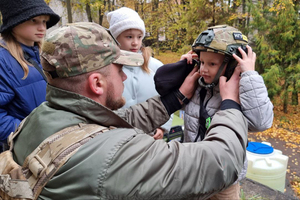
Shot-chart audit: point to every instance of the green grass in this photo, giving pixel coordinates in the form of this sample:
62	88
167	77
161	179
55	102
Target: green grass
177	120
255	197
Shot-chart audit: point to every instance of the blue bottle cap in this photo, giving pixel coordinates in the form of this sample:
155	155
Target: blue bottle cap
259	148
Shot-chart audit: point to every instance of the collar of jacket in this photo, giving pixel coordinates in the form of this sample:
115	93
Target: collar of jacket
33	51
216	88
83	106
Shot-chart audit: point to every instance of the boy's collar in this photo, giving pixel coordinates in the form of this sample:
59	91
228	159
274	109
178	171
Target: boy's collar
203	84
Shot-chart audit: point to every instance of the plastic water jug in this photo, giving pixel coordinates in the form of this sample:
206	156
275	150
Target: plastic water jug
266	165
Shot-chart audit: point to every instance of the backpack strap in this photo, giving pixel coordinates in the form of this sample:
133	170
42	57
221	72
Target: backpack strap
13	183
30	60
42	164
12	135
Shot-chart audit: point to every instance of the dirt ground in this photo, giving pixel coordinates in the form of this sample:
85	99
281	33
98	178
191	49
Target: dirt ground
293	168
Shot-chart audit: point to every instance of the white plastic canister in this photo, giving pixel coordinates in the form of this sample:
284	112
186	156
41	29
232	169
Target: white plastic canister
266	165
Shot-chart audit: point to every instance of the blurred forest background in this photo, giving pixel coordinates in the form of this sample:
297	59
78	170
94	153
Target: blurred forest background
272	27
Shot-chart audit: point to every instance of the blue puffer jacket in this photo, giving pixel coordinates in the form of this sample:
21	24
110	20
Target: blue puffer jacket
18	97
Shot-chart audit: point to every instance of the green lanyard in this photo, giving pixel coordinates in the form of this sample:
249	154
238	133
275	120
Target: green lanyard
207	122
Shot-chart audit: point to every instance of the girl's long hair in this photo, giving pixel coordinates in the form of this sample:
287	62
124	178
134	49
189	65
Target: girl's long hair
15	49
147	53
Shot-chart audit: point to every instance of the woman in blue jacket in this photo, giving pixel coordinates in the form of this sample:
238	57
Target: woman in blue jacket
22	86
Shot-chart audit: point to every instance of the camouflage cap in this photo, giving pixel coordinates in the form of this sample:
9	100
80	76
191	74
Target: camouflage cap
82	47
222	39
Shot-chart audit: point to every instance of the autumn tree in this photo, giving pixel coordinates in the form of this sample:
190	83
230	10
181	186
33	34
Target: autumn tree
277	46
183	21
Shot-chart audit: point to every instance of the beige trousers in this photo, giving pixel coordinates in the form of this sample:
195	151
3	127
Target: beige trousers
231	193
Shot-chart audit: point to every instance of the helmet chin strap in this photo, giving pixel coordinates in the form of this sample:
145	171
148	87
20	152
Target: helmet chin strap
216	79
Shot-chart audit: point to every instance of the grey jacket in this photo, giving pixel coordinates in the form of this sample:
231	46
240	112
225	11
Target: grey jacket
126	163
255	104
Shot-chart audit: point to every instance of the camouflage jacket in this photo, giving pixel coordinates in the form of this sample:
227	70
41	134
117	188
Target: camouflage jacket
125	163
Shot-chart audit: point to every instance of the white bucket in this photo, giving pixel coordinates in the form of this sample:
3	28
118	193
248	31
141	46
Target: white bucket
266	165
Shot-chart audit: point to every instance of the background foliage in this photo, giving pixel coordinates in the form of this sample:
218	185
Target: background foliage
272	27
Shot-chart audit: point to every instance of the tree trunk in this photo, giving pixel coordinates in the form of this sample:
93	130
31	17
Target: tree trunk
248	17
214	13
154	8
285	97
88	12
113	4
295	98
142	10
244	11
69	10
109	5
100	16
294	95
157	43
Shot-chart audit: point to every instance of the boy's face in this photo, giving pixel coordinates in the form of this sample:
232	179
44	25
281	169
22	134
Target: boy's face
210	63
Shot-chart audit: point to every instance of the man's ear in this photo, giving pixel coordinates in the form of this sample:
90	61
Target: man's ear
96	83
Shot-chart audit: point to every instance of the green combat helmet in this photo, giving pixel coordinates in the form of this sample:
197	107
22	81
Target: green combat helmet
224	40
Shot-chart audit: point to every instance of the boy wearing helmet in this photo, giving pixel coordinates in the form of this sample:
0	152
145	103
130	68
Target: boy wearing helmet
219	50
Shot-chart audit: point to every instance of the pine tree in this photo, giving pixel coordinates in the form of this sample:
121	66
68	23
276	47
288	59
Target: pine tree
277	46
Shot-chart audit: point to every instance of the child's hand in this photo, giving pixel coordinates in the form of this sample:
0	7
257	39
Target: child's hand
189	57
159	134
247	62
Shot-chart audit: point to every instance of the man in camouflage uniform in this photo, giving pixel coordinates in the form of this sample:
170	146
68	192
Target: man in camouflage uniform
83	65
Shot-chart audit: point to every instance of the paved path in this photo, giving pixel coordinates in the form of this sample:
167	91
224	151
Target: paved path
254	190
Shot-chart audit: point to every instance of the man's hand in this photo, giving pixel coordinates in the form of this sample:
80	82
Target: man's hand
189	85
159	134
230	89
247	62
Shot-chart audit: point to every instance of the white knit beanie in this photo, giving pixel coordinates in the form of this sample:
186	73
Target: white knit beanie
123	19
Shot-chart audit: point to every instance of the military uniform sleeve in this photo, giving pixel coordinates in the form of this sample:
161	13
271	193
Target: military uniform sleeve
151	114
147	168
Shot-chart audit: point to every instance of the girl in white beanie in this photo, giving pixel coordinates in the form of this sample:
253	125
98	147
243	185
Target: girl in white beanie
128	29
